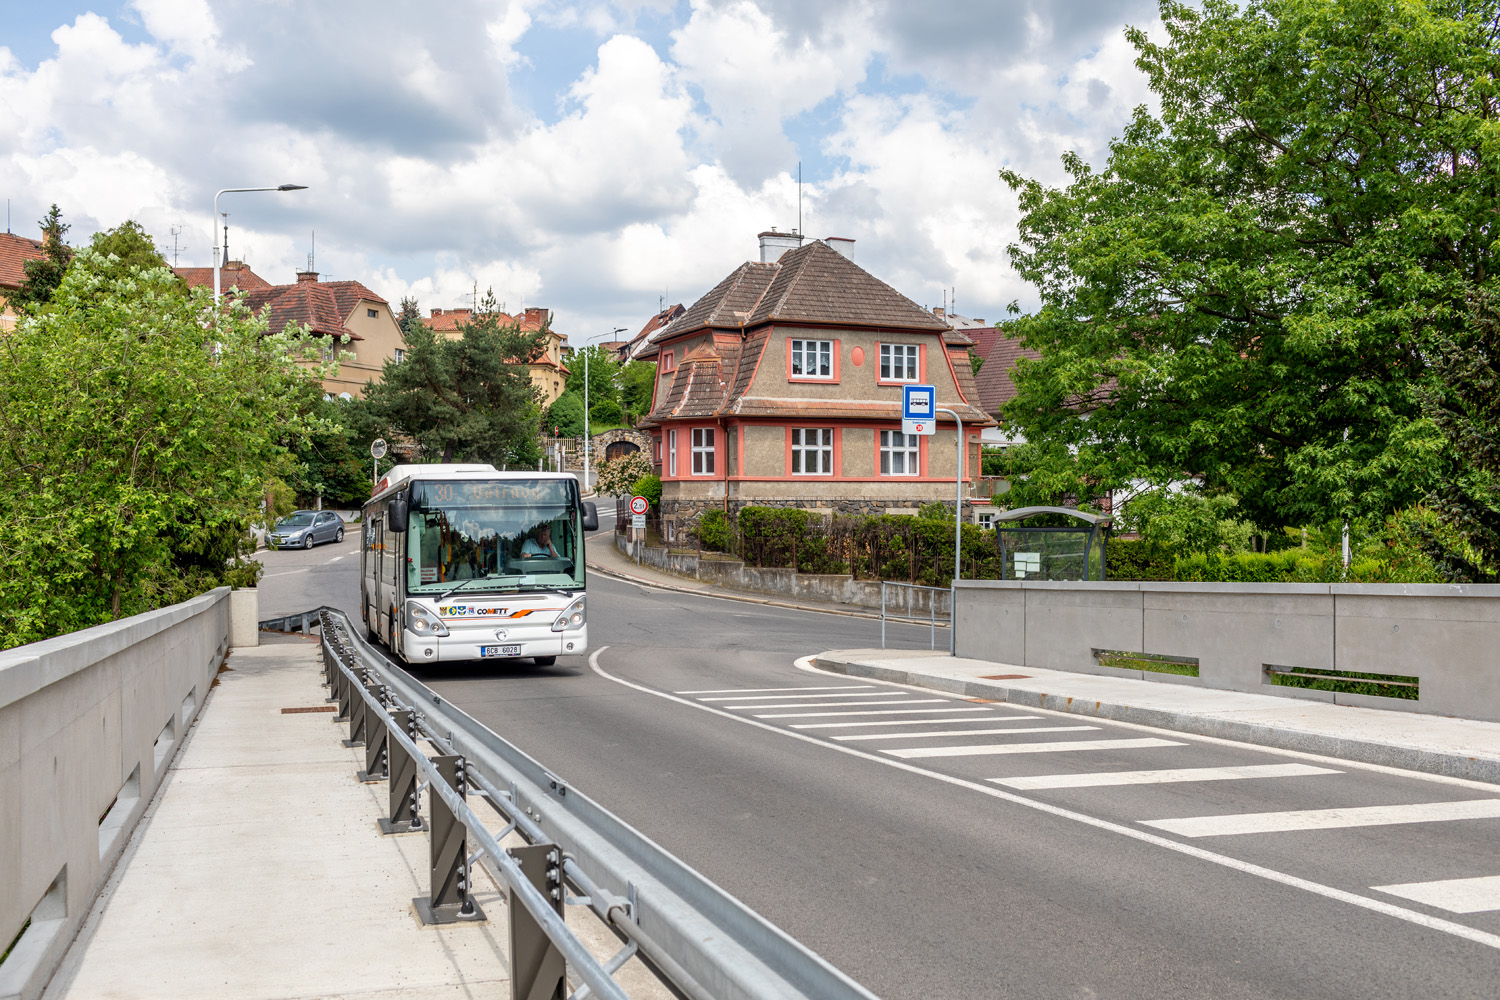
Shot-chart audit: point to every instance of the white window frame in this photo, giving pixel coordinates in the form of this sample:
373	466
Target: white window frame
703	448
672	452
822	350
910	355
820	447
985	519
400	355
909	447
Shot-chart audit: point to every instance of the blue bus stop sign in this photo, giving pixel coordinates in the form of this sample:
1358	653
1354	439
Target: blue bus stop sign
918	409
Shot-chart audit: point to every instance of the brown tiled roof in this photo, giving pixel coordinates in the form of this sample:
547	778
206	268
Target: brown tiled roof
15	251
449	320
304	302
963	371
993	382
728	304
984	339
348	295
661	319
816	284
231	275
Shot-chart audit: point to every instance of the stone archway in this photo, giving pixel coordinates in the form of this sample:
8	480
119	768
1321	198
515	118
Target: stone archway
619	449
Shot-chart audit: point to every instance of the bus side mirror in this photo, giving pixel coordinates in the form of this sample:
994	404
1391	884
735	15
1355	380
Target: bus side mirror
590	516
395	517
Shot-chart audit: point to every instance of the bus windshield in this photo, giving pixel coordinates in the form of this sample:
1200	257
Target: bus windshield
493	537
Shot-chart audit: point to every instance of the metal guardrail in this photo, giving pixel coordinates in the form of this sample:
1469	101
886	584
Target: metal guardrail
932	620
702	942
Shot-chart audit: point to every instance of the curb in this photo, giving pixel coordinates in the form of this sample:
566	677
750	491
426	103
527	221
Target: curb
735	595
1452	765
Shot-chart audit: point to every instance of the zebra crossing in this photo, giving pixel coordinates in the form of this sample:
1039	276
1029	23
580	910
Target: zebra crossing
937	723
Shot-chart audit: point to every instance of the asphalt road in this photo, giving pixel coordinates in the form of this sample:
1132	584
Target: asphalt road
929	858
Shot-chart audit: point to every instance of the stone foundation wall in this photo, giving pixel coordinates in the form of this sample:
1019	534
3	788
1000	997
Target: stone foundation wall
680	514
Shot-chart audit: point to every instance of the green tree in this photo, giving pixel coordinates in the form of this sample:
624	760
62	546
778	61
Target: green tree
409	314
564	416
1251	289
637	384
468	399
45	274
603	377
131	244
139	435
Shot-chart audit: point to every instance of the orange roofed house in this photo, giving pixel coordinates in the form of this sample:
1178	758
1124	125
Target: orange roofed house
548	373
15	251
346	312
782	387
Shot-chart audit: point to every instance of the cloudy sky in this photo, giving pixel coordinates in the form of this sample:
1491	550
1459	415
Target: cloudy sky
589	156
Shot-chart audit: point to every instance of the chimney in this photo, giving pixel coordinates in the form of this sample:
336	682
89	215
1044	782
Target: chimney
774	244
842	244
234	265
308	277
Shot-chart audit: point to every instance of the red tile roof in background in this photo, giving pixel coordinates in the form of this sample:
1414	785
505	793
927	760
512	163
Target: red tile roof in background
449	320
993	381
15	251
231	275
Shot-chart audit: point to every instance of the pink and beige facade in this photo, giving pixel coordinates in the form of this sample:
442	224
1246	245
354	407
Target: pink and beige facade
782	387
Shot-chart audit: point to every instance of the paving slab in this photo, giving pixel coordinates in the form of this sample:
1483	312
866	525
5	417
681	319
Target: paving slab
1459	748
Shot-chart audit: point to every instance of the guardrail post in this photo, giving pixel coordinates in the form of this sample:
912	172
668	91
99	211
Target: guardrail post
376	740
537	968
447	841
343	689
404	814
359	715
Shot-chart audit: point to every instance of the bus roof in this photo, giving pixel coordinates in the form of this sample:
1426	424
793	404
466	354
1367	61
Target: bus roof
400	475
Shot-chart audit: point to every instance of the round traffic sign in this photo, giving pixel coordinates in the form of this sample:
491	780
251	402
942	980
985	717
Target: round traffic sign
639	505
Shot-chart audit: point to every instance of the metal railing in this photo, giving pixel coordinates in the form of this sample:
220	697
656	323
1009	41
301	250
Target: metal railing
702	942
887	613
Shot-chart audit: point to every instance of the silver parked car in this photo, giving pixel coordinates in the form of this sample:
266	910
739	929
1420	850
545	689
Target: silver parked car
306	528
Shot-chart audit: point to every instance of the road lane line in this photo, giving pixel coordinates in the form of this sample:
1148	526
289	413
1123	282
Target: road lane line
894	711
1059	746
1380	906
964	732
906	722
1457	895
889	700
783	697
1166	776
1327	819
741	691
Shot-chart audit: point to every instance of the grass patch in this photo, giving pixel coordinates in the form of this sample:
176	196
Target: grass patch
1344	681
14	941
1183	666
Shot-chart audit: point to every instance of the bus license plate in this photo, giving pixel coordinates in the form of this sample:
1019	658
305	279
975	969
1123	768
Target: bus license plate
500	650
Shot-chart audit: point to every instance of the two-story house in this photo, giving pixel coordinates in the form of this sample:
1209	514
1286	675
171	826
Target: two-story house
782	387
549	374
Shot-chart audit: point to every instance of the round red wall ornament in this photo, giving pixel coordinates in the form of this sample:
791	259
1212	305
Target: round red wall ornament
857	356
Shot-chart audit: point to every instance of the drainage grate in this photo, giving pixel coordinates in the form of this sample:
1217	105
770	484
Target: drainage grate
310	708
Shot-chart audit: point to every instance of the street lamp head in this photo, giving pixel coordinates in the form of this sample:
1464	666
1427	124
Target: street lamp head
291	187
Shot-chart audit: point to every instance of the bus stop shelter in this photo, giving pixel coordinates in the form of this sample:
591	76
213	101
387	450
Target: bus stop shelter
1068	544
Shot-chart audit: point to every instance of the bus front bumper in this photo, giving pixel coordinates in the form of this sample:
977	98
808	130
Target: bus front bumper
470	644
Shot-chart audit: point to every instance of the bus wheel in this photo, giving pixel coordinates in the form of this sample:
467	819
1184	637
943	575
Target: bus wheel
544	661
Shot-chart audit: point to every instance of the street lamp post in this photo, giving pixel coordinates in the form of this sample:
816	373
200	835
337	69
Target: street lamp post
279	187
587	442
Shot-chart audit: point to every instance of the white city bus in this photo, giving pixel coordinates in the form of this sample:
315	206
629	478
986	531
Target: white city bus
463	562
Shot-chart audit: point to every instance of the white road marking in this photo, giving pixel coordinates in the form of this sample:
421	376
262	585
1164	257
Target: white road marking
838	704
1141	836
894	711
287	572
1098	778
1457	895
906	722
964	732
740	691
1328	819
783	697
1061	746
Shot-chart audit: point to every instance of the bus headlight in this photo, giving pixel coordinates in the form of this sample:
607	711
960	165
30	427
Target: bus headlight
571	618
423	621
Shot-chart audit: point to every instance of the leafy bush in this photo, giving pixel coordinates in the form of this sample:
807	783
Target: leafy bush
565	416
648	486
618	476
715	532
1137	559
606	412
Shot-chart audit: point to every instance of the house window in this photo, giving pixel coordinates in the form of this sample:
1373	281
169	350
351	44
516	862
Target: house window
400	355
985	519
899	454
703	451
898	362
371	313
812	358
812	451
667	362
656	449
672	453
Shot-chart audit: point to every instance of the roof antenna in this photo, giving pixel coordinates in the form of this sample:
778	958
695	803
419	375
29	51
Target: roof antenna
220	262
312	251
176	232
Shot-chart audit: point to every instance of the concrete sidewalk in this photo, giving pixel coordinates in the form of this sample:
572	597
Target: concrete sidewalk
258	870
1460	748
